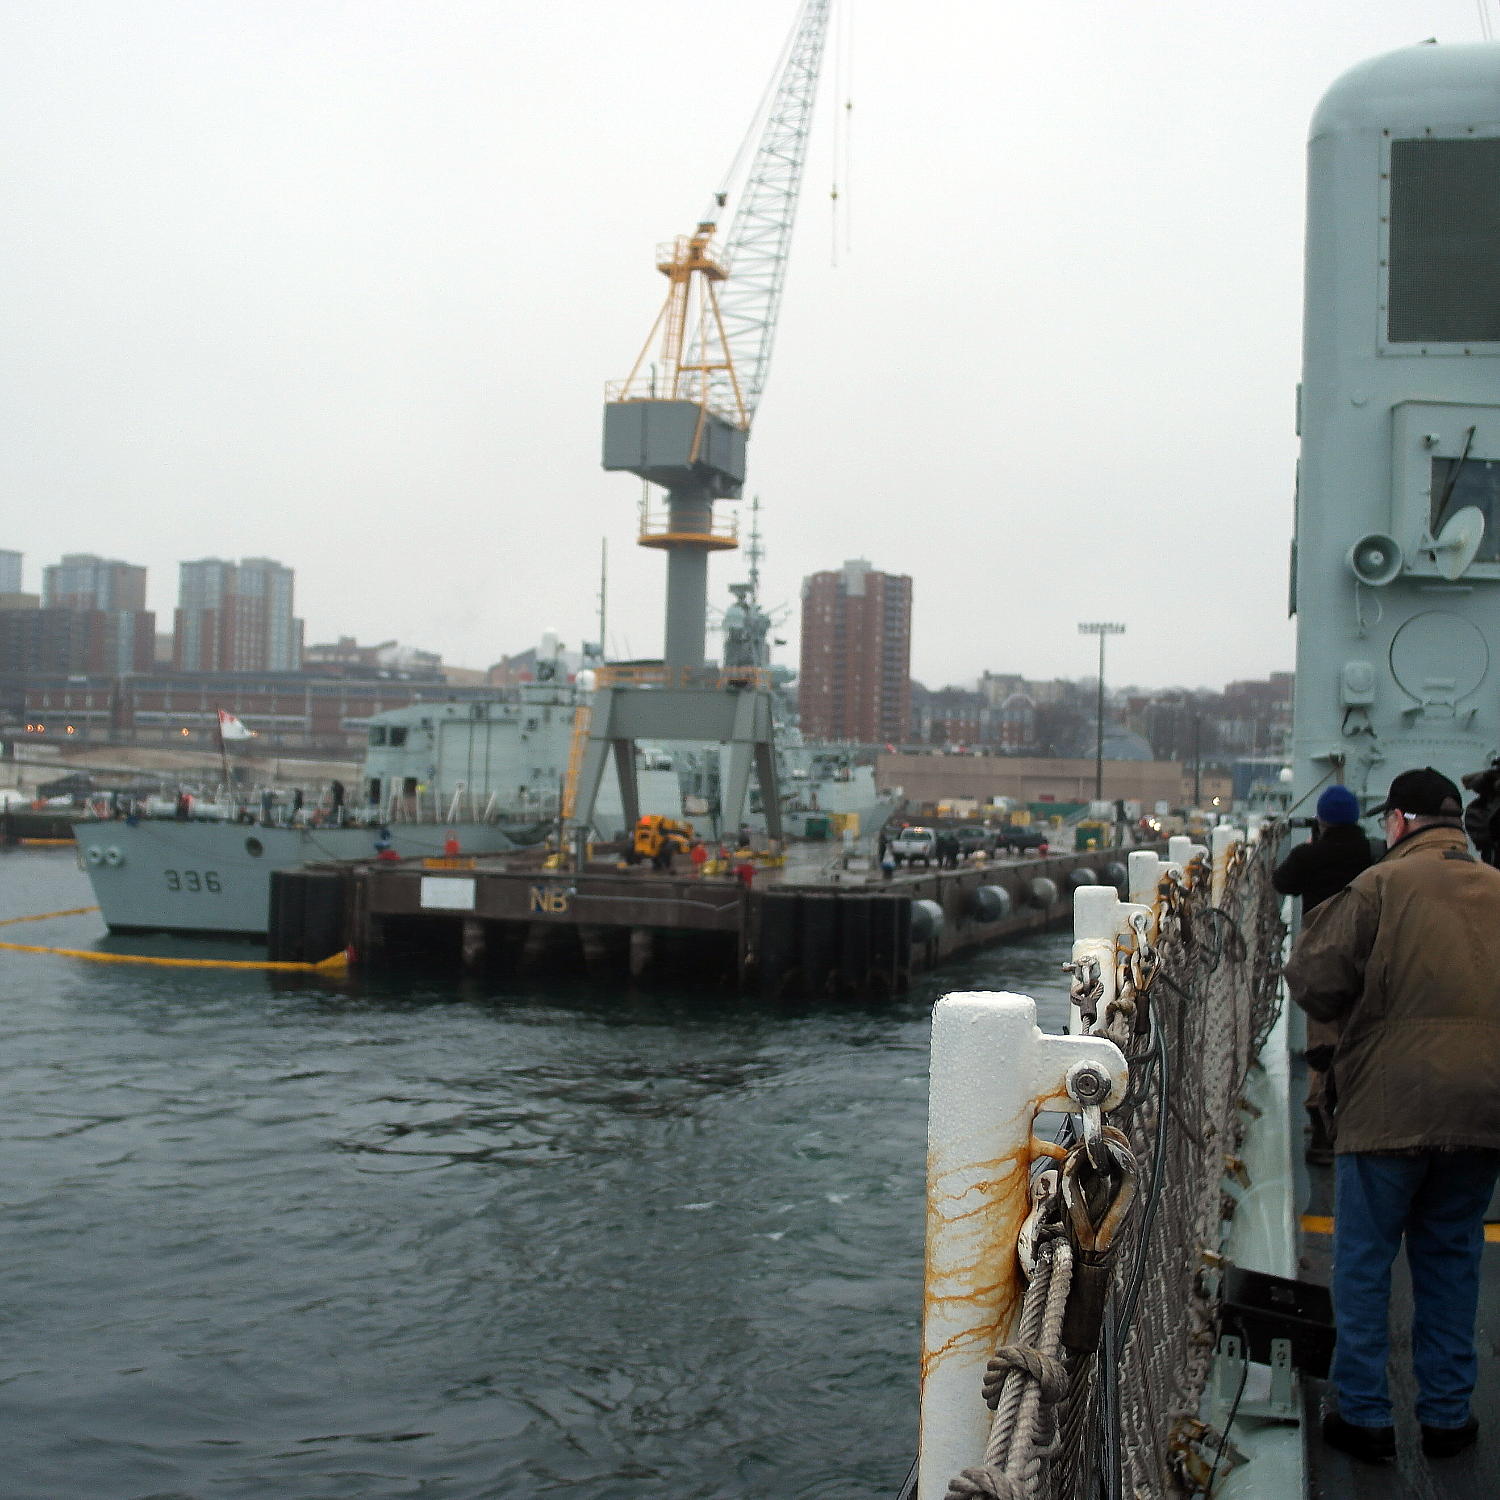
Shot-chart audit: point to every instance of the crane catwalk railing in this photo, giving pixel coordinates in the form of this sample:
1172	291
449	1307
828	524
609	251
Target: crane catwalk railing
1072	1286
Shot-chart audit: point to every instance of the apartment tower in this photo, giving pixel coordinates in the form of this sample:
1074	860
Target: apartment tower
855	682
236	617
93	618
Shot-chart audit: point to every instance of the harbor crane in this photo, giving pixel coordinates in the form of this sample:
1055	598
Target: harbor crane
682	416
681	420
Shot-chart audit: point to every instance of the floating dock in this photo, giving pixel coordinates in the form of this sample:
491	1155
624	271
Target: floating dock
808	927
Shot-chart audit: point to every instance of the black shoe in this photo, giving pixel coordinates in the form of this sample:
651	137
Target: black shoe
1371	1445
1444	1442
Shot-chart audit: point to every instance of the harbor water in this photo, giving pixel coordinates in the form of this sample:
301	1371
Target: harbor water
280	1236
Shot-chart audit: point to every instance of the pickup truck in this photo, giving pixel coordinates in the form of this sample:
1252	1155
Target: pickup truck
914	844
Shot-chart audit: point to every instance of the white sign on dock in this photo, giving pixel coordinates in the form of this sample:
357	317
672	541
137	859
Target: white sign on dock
447	893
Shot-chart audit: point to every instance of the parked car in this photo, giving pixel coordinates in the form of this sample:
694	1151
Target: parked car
914	844
1022	839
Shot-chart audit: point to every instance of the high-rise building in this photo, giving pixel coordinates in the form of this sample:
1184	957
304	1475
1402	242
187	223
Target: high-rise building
236	617
10	571
93	618
83	581
855	682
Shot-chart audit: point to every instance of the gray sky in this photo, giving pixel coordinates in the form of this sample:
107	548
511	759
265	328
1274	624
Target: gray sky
341	284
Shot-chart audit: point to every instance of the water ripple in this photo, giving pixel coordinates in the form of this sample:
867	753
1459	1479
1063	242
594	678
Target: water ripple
454	1241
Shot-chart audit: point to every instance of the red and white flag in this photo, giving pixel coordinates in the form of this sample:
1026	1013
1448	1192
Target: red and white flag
230	728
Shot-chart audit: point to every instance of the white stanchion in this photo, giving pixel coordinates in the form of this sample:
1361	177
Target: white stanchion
1100	919
1145	875
1182	851
992	1072
1223	839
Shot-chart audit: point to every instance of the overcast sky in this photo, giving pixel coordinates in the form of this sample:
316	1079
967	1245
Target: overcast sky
341	284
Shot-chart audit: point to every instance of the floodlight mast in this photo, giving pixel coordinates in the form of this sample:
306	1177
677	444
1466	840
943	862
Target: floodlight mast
682	418
1101	628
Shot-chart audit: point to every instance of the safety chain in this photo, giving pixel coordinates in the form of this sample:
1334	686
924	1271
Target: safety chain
1087	988
1136	962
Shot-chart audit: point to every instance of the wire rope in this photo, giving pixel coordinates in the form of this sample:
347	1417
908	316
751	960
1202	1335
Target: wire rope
731	178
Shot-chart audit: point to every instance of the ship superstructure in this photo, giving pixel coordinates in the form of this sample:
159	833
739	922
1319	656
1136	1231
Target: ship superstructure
1396	563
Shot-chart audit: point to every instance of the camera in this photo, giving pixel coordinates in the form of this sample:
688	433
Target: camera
1485	782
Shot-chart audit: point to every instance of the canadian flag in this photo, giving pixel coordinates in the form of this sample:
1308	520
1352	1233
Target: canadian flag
230	728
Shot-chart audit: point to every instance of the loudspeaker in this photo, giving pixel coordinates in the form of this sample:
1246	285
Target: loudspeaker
1375	559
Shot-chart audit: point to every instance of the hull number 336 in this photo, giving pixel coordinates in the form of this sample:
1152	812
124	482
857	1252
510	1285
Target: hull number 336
192	880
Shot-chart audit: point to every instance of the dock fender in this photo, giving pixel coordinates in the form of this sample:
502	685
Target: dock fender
989	903
926	921
1117	875
1082	876
1042	891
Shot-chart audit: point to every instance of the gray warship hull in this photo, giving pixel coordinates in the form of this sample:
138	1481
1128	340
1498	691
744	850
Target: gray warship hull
162	875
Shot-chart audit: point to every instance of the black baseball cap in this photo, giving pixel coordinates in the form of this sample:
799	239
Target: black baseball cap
1426	793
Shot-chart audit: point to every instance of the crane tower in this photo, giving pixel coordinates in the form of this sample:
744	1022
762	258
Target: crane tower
681	420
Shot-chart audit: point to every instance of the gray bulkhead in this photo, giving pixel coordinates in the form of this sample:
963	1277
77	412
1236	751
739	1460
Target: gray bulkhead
1396	564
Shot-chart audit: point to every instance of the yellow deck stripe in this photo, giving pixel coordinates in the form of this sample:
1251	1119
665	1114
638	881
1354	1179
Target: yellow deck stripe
1322	1224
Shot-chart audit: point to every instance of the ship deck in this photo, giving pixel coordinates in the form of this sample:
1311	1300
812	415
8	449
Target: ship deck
1332	1475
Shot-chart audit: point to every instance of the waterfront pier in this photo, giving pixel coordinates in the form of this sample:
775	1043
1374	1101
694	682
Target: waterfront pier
809	927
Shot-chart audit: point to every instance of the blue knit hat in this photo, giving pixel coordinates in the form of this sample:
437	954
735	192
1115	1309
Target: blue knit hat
1338	805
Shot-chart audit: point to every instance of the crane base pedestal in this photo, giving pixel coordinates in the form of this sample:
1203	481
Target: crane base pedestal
737	717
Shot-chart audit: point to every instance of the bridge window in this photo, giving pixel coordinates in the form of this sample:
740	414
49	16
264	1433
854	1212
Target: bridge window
1445	241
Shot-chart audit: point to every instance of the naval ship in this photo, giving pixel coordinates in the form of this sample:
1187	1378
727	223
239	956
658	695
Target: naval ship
492	775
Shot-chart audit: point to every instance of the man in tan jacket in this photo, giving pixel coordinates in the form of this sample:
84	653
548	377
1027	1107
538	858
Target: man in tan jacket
1407	959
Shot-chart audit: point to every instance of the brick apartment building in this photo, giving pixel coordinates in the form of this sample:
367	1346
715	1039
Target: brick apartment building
76	640
91	617
235	617
855	681
83	581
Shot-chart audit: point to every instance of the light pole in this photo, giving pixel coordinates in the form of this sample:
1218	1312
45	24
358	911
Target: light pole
1197	757
1101	628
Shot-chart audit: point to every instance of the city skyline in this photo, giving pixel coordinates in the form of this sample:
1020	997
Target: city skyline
484	657
310	281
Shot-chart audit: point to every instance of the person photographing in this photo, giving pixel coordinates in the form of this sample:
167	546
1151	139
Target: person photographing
1405	959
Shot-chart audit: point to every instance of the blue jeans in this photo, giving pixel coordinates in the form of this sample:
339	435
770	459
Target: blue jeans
1437	1201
